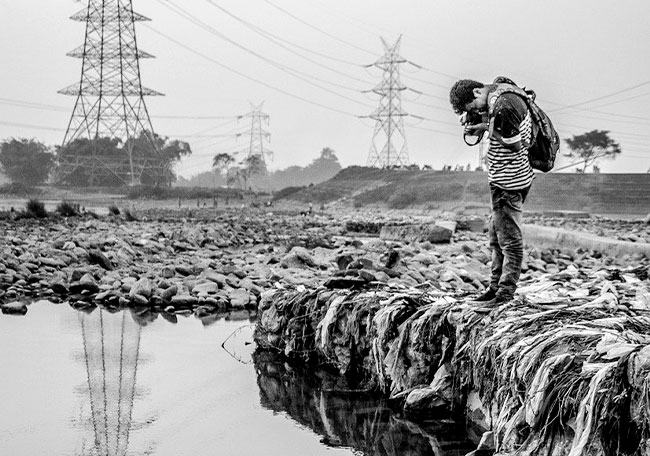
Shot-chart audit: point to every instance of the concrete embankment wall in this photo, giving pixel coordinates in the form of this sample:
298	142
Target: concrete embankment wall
595	193
548	374
559	238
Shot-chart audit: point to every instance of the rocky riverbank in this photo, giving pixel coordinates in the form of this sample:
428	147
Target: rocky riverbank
388	314
204	261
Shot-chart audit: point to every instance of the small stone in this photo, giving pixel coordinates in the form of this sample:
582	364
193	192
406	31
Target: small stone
184	301
169	293
168	272
239	298
139	300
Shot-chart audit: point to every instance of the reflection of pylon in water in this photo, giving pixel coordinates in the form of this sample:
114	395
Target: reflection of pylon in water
111	354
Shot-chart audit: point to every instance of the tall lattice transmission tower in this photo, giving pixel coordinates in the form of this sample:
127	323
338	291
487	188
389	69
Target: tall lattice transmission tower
389	125
109	96
257	135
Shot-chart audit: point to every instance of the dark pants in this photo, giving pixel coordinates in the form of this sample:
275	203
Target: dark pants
506	240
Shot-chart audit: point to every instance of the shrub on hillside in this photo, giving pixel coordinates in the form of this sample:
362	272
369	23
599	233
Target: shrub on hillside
402	199
113	210
379	195
129	217
66	209
36	208
286	192
17	189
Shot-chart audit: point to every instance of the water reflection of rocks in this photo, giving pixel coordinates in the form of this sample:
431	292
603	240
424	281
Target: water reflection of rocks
365	423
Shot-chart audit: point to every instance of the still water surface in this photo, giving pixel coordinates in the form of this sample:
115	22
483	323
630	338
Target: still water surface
74	383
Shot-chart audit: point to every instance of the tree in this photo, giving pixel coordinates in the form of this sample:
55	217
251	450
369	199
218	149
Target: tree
322	168
592	146
157	163
327	160
109	161
253	164
26	160
222	163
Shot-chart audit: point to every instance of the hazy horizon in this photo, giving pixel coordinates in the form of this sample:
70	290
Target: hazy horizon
306	61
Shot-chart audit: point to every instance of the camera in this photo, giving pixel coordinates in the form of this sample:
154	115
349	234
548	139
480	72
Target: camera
469	119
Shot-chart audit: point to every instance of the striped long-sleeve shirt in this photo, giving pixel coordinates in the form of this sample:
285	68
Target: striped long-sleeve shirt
507	168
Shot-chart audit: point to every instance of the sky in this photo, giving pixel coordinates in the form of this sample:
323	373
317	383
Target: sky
309	65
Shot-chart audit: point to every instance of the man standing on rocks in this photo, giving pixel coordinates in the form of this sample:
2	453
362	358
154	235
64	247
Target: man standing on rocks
510	176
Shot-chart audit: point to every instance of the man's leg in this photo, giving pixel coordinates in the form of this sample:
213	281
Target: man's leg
497	253
507	225
489	295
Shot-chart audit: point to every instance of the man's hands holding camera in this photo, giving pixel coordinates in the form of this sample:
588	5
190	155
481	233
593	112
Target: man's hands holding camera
474	125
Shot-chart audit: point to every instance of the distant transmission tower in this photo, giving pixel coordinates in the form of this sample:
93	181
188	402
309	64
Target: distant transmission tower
110	96
389	125
257	134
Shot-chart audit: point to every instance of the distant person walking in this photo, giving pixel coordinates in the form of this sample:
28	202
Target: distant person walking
510	176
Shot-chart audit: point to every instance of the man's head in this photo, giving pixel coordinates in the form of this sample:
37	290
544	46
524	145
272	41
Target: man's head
467	95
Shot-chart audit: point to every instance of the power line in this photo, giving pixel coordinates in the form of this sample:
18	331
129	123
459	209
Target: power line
46	107
302	21
35	127
250	78
603	96
293	72
274	38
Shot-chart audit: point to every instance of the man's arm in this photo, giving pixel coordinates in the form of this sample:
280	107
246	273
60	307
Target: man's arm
506	122
512	143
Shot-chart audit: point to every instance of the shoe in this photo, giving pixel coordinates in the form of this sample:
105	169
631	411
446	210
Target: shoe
488	295
502	299
497	301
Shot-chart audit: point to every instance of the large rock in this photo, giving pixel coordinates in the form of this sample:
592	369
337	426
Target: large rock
298	257
424	401
14	308
143	287
434	233
97	257
207	287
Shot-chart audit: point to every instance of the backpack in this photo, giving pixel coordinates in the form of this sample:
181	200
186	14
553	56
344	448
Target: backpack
545	141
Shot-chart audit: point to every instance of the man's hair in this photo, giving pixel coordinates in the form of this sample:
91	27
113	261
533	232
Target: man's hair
462	92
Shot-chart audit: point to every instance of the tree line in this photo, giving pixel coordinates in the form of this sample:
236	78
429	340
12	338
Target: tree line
100	162
251	173
31	162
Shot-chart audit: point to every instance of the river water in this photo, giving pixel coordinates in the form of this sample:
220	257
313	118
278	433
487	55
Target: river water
100	383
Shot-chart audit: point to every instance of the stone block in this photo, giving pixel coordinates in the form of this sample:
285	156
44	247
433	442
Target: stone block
434	233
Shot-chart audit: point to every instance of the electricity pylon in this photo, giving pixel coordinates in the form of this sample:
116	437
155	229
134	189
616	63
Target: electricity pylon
109	96
257	135
389	125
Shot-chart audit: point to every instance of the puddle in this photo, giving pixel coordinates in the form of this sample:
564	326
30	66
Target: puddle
75	383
